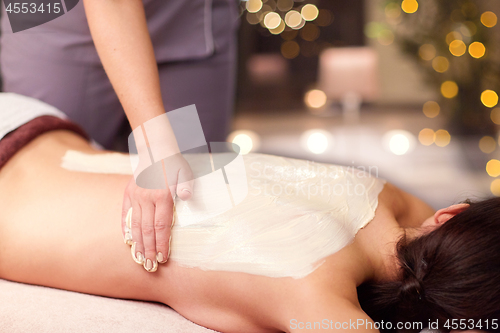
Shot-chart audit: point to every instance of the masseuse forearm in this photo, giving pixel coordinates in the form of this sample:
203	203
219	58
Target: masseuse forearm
121	37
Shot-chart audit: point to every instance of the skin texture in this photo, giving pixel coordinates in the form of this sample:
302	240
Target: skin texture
120	33
62	229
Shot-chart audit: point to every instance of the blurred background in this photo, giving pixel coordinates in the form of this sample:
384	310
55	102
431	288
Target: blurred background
407	89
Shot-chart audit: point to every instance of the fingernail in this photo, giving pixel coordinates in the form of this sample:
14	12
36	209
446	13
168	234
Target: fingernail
161	259
138	257
128	219
186	191
169	246
128	239
173	219
151	266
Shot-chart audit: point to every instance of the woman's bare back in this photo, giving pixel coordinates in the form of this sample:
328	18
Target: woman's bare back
61	229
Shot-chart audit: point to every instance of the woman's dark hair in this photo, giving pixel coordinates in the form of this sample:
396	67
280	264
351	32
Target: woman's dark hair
452	272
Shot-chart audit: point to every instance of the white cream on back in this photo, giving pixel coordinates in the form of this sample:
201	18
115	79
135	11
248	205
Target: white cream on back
296	214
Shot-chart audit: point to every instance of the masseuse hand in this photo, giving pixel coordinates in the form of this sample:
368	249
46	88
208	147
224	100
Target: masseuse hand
151	217
120	33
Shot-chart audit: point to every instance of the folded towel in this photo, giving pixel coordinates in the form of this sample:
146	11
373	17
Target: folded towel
20	137
17	110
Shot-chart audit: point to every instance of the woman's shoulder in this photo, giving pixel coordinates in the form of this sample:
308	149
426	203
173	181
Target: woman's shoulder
409	210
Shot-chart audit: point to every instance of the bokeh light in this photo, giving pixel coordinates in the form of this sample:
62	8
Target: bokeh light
449	89
293	19
426	136
392	10
279	29
315	98
431	109
409	6
316	141
373	29
489	19
265	9
495	187
290	49
309	12
477	50
450	37
301	25
469	9
310	32
284	5
253	18
272	20
493	168
440	64
442	138
472	27
464	30
386	37
489	98
427	51
468	29
457	48
495	116
253	6
247	140
399	142
487	144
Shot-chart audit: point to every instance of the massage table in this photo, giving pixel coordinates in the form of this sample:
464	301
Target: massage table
27	308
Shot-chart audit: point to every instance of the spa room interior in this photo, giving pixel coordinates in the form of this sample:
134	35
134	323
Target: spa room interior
378	85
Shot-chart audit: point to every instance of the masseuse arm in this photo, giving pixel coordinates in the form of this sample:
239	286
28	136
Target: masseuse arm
121	37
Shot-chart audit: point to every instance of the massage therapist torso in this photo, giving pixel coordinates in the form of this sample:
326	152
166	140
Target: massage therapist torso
61	63
83	250
103	60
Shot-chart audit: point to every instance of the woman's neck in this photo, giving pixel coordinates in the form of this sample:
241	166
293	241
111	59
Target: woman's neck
378	242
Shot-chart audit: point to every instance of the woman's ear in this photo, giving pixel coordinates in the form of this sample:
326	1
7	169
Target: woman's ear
443	215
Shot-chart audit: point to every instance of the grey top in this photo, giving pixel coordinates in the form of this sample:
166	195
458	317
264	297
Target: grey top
179	29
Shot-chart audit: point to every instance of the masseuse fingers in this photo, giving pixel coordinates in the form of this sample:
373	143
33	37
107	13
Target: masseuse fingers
148	235
126	220
136	224
126	205
163	222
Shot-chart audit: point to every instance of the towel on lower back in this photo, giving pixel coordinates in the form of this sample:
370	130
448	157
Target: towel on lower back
22	119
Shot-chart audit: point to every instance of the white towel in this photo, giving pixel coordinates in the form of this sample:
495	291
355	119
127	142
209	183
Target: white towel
17	110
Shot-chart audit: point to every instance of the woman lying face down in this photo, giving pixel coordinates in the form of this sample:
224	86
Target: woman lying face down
449	269
61	229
